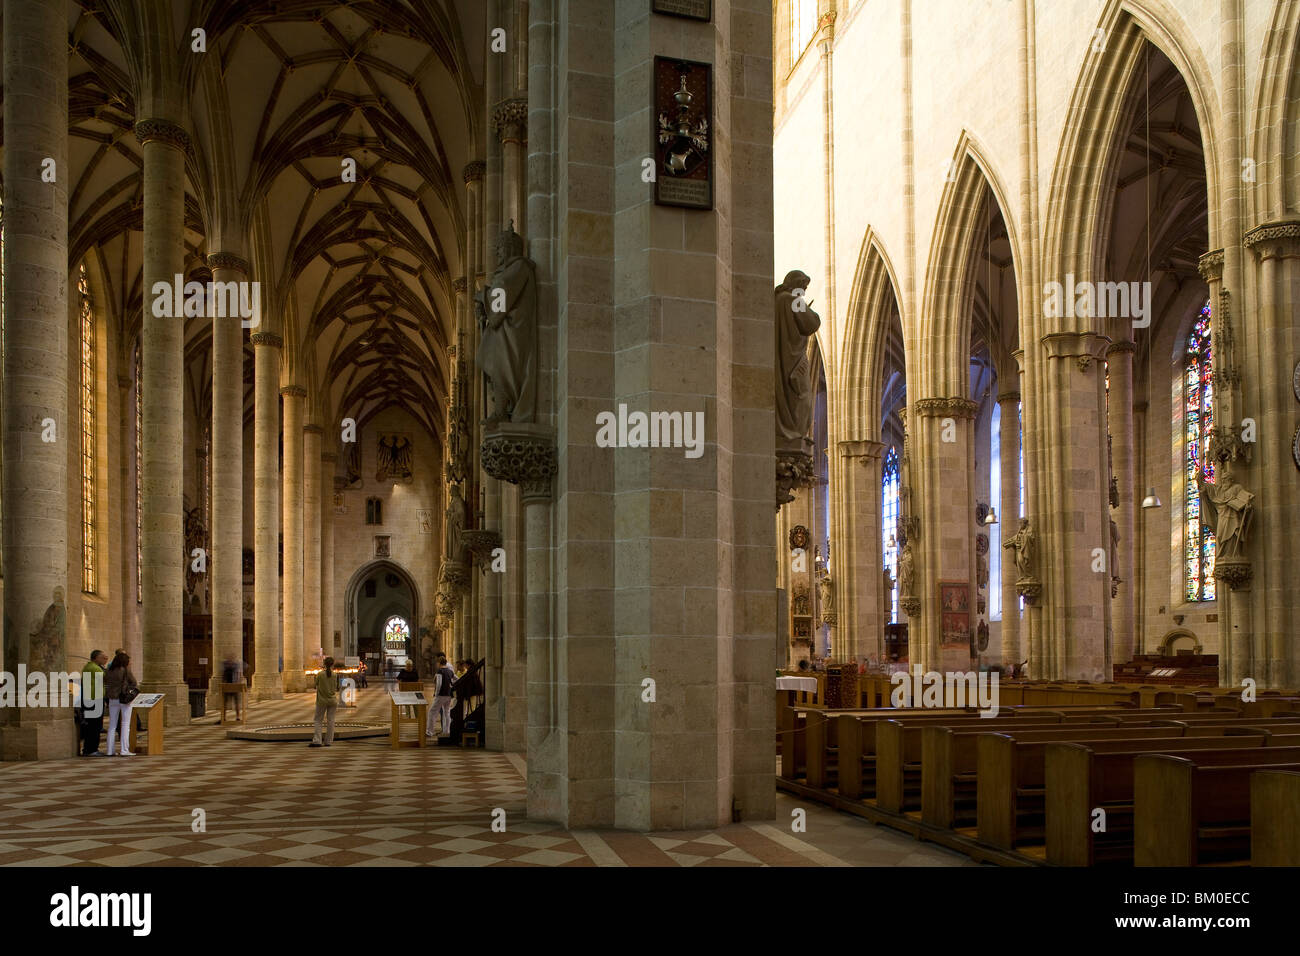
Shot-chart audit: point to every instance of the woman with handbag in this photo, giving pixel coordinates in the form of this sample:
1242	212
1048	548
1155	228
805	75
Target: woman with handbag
120	689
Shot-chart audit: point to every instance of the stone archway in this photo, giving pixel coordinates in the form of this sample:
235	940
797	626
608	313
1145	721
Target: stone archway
1166	646
351	616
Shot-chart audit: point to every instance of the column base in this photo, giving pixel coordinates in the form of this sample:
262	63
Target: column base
50	734
295	681
267	687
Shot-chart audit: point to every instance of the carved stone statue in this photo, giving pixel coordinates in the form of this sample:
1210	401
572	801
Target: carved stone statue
827	589
455	524
506	309
795	323
1022	542
352	465
906	569
1230	507
981	571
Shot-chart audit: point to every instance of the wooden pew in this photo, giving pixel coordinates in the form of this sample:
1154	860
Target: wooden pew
1187	810
1080	778
1012	781
1274	818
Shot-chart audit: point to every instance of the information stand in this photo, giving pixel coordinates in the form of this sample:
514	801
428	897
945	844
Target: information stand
414	699
146	706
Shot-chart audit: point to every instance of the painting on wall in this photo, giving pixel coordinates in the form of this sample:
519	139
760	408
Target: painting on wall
954	614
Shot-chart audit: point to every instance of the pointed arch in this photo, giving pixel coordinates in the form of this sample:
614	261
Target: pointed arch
1087	155
1275	138
942	366
858	383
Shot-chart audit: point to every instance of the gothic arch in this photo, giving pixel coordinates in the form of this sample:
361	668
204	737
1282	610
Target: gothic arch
1274	138
942	366
859	381
1085	160
1166	646
354	585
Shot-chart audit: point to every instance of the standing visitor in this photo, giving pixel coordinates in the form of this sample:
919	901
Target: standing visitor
441	709
327	703
120	689
92	701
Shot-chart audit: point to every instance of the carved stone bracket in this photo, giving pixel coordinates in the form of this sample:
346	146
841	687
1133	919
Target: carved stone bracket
1029	589
481	544
510	120
521	454
1210	265
794	469
944	408
1235	572
455	575
910	605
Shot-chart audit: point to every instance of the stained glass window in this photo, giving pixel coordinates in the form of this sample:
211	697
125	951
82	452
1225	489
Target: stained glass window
803	24
396	630
87	433
1198	422
139	469
997	496
889	525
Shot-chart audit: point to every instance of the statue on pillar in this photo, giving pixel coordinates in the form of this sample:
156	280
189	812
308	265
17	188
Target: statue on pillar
826	588
1229	507
506	310
1114	559
906	569
795	324
455	525
1022	542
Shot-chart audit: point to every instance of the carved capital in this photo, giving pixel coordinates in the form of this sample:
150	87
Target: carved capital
455	576
1011	396
1116	348
1210	265
1029	589
1274	240
474	171
866	449
1079	346
162	131
481	544
510	120
910	605
521	454
944	408
228	260
459	286
794	469
267	338
293	391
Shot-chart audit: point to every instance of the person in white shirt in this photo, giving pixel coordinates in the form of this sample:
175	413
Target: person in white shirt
441	708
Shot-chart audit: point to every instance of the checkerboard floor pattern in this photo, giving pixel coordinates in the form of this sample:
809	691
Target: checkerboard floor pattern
361	803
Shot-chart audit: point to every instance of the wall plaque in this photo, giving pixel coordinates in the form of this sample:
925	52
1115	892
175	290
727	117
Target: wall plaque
682	114
692	9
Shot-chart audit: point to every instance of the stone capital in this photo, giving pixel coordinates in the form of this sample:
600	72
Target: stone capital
1075	345
1210	265
474	171
954	407
228	260
1275	240
1118	347
459	286
861	448
312	429
1009	396
162	131
293	391
269	339
510	120
523	455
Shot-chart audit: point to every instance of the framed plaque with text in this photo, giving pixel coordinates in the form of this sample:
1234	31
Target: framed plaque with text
682	126
691	9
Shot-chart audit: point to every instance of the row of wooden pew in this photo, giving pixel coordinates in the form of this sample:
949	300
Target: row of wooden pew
1072	785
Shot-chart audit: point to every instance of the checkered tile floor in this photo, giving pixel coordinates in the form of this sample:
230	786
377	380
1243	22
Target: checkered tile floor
361	803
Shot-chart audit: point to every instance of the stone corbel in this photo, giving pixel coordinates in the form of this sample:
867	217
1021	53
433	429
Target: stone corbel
1234	572
521	454
910	605
481	543
794	469
1210	265
1274	240
510	120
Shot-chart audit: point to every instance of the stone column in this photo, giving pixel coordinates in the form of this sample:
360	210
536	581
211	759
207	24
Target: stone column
313	638
291	512
1008	520
859	559
267	682
163	146
327	597
35	490
510	120
1119	358
940	437
1075	523
226	531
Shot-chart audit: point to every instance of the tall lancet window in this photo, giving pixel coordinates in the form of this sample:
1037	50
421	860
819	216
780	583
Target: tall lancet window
88	517
889	525
139	470
803	24
1198	422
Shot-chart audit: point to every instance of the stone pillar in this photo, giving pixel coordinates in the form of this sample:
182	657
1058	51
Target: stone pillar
940	439
1119	358
1008	520
327	597
226	531
267	682
35	490
1075	522
859	558
291	514
311	538
163	146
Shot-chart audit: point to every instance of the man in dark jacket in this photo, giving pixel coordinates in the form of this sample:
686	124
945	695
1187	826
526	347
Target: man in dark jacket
92	703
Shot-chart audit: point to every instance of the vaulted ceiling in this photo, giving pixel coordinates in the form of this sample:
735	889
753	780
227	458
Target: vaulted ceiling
338	133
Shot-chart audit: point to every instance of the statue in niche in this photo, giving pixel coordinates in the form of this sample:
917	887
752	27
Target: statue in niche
394	458
906	569
455	524
800	602
1022	542
795	324
506	310
1230	508
826	588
